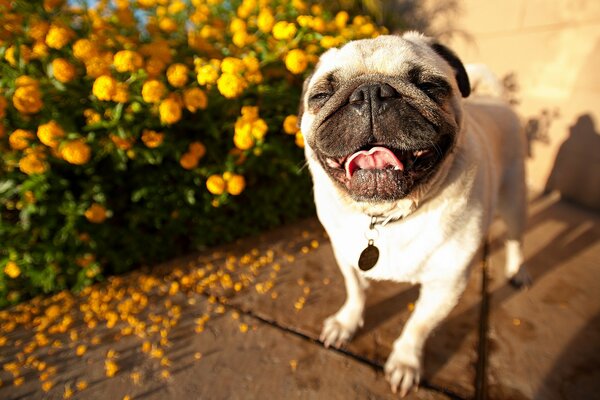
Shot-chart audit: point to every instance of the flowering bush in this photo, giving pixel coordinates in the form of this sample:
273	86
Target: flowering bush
136	130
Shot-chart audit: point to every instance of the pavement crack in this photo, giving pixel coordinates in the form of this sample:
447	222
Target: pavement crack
482	348
356	357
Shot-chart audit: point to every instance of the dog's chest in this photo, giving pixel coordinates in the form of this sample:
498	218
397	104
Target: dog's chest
404	246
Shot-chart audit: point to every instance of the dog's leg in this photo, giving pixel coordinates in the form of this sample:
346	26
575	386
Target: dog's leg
404	365
512	207
339	328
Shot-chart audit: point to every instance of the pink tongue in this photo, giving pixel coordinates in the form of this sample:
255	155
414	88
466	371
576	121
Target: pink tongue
375	158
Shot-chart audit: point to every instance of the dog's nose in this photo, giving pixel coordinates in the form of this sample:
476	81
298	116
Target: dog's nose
374	95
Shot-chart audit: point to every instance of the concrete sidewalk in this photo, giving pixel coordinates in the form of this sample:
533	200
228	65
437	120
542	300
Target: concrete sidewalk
242	322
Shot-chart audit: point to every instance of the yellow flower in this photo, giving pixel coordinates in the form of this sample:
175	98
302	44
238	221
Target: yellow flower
290	124
19	139
329	41
296	61
153	91
50	133
84	49
207	74
283	30
24	53
122	144
194	99
111	368
167	24
241	39
121	94
259	129
39	50
154	66
216	184
50	5
12	269
177	75
99	65
236	25
104	87
299	139
232	65
33	163
236	184
28	99
127	61
96	213
76	152
38	30
198	149
58	36
152	139
169	110
189	160
91	116
341	19
265	20
230	85
63	70
243	140
3	105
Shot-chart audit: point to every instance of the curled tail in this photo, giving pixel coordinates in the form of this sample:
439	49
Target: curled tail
484	82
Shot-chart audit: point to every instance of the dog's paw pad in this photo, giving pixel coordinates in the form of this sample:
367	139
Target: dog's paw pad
335	333
402	376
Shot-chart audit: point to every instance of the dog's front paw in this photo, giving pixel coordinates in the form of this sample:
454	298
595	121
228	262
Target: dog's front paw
402	372
522	279
336	332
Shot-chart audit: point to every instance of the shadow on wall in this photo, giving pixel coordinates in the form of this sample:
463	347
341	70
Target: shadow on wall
576	170
537	128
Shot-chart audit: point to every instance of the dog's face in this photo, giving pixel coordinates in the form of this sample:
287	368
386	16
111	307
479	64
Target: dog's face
381	115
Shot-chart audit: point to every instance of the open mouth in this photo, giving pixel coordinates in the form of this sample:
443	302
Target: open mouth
376	171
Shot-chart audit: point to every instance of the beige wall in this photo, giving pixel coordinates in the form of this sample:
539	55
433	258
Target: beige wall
553	49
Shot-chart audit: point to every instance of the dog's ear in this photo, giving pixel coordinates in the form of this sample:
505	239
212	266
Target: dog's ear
459	69
301	106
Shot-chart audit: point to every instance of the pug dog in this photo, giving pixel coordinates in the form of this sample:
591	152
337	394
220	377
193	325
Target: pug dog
407	179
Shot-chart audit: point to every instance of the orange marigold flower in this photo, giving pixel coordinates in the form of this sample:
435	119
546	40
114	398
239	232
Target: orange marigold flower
296	61
50	133
104	87
63	70
84	49
38	30
198	149
283	30
121	94
216	184
127	61
236	184
123	144
154	66
50	5
28	99
58	36
33	163
152	139
230	85
153	91
177	75
12	269
265	20
189	160
76	152
300	140
169	110
3	105
96	213
195	99
19	139
290	124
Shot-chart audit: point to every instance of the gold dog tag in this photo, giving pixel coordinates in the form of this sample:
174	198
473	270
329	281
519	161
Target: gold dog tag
369	256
